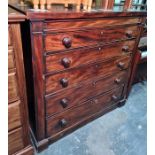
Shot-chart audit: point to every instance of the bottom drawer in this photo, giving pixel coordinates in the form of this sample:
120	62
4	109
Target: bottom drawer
15	141
76	115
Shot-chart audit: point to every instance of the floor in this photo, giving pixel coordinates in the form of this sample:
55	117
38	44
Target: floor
120	132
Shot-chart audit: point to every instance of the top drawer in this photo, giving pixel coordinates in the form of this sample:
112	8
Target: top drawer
89	23
57	41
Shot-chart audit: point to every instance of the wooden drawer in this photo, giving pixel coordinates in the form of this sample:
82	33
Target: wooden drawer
11	63
74	39
15	141
78	57
73	77
88	23
12	87
14	116
76	115
63	100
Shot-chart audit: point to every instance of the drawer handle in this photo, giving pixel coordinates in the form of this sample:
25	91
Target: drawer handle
63	123
64	82
125	49
67	42
117	80
64	102
129	34
114	98
121	65
66	62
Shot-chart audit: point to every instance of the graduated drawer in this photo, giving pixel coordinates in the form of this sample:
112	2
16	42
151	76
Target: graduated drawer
72	77
12	87
63	100
74	39
74	116
14	116
11	63
89	23
15	141
77	57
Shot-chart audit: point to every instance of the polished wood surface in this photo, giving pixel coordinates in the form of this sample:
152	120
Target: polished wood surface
81	112
14	116
63	100
81	65
18	126
83	74
54	42
78	57
15	141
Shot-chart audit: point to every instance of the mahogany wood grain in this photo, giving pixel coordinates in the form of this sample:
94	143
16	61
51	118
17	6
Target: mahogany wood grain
9	36
11	61
128	4
15	141
93	88
81	112
54	41
14	116
18	113
78	57
88	23
37	62
85	73
13	92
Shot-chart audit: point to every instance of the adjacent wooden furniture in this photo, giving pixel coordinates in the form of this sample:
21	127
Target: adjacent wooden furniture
81	66
43	3
18	134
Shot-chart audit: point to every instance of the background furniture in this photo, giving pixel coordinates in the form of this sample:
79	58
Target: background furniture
78	66
18	135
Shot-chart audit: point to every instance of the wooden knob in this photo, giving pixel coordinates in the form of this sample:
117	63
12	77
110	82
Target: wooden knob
125	48
129	34
121	65
66	62
64	82
67	42
114	98
63	123
64	102
117	81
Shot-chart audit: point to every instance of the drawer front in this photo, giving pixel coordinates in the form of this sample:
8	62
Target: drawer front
68	40
12	87
86	23
73	77
78	57
76	115
63	100
11	63
14	117
15	141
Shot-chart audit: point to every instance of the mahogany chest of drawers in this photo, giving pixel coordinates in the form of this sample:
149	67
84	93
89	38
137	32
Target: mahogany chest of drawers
80	64
18	128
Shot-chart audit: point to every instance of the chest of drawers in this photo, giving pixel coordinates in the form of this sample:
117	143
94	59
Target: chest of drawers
18	127
79	64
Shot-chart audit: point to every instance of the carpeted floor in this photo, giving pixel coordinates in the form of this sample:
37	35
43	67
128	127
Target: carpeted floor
120	132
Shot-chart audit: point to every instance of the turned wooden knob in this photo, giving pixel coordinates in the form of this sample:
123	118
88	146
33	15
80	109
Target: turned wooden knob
125	48
121	65
114	98
64	82
117	81
66	62
64	102
63	123
67	42
129	34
